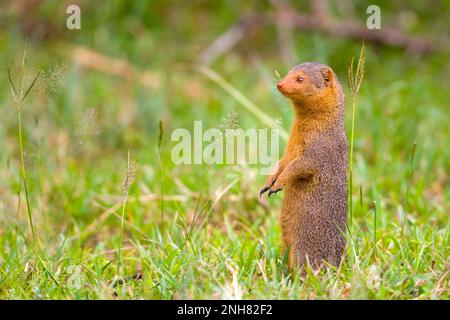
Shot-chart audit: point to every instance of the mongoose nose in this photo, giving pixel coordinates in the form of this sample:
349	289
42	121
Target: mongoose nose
280	85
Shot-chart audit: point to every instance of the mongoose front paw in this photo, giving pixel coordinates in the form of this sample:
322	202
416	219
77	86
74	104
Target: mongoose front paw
277	186
268	185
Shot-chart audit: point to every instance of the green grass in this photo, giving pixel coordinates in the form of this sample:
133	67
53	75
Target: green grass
201	231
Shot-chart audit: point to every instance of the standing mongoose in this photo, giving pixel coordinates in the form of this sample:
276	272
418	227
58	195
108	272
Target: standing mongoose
313	170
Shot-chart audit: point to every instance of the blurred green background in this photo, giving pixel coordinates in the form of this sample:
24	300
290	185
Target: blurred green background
104	89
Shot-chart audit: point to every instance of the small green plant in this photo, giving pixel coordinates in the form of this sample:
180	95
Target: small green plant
18	96
127	181
354	78
161	166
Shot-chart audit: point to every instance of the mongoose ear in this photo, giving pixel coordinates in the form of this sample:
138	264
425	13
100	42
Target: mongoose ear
327	76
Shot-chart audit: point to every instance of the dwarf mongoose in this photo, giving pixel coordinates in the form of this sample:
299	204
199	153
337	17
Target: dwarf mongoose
313	170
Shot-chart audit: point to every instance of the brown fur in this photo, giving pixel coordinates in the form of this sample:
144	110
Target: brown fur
313	171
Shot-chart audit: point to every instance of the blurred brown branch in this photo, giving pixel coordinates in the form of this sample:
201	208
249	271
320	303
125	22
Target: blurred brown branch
346	28
285	18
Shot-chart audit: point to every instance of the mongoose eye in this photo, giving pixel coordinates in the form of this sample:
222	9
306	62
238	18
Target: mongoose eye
300	79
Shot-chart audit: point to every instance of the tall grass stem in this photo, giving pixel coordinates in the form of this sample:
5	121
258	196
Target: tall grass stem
354	78
24	175
125	191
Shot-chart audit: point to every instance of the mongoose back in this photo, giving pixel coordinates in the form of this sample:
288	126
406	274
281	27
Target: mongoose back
313	170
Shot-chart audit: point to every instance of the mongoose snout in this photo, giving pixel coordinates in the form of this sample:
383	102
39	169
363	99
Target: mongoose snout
280	85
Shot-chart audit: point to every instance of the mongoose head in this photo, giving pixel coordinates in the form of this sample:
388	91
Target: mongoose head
312	85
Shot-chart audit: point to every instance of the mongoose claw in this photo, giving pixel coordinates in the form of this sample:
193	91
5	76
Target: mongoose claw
273	191
263	190
268	185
